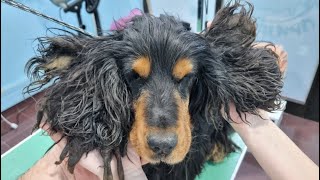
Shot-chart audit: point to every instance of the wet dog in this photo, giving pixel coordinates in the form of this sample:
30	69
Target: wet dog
157	85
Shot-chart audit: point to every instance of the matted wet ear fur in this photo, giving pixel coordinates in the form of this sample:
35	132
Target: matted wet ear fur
88	101
247	76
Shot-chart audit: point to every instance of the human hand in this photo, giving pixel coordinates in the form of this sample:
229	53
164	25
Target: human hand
251	118
89	167
279	50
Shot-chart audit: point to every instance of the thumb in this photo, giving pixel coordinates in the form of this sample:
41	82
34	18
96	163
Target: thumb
209	24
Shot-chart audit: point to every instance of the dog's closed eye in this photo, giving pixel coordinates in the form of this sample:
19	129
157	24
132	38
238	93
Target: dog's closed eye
186	79
135	76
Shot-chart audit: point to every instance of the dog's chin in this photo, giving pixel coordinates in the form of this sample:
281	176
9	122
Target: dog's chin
163	159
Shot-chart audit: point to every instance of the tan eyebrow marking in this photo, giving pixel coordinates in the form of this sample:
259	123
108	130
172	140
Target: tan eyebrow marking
142	66
182	68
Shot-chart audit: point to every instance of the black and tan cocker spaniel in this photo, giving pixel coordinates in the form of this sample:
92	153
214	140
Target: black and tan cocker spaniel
157	85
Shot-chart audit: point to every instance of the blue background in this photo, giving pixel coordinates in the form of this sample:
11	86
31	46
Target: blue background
19	29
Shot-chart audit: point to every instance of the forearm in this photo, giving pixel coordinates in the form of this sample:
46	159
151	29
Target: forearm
276	153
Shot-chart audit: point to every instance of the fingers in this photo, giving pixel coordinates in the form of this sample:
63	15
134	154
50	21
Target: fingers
133	156
81	173
132	165
262	45
283	58
279	50
93	162
209	24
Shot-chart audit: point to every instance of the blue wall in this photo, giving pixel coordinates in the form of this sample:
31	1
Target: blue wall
19	30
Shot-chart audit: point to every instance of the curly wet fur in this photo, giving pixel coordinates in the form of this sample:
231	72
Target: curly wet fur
90	103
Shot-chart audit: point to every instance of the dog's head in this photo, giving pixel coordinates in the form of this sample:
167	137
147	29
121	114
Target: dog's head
151	81
160	76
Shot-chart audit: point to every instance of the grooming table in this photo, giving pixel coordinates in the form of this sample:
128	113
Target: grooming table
22	156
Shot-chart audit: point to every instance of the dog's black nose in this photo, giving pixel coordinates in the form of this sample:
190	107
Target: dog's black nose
162	144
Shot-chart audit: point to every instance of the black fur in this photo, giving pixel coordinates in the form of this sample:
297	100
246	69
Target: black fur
90	102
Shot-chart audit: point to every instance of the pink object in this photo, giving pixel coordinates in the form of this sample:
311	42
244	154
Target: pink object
121	23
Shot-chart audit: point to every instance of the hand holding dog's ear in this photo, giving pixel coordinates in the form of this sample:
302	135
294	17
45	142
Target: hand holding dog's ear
282	62
250	76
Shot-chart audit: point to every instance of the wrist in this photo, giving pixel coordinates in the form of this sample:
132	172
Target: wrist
255	125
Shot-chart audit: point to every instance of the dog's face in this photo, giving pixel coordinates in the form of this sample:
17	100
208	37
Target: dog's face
160	78
162	126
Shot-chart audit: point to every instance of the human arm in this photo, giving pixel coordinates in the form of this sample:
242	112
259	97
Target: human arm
275	152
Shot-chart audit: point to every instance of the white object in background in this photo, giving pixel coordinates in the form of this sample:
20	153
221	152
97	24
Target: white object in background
12	125
276	116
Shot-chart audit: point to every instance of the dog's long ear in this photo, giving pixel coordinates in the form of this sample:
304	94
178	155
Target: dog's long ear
88	101
249	77
57	55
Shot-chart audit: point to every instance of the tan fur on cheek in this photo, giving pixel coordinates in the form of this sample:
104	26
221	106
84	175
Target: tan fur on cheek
183	130
139	129
218	153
